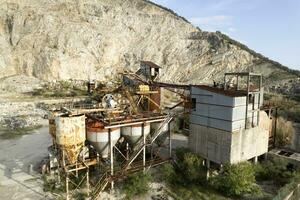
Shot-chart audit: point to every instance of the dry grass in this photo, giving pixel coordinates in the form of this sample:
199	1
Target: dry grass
284	132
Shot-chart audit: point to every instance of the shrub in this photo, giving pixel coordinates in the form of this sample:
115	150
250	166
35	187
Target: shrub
288	188
187	170
192	168
284	132
276	169
65	84
181	188
49	185
136	184
169	174
289	108
236	180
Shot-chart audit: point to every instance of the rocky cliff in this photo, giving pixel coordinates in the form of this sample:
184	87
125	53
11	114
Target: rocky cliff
82	39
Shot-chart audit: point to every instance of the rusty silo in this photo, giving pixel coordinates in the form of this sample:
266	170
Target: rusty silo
70	135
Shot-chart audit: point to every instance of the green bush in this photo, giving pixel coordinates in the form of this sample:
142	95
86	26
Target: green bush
296	98
65	84
49	185
276	169
288	188
236	180
189	167
136	184
181	188
187	170
169	174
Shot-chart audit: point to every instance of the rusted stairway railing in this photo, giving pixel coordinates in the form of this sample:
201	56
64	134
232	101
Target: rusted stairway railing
140	144
161	127
100	186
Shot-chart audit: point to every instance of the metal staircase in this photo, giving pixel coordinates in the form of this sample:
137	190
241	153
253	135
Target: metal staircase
140	144
161	127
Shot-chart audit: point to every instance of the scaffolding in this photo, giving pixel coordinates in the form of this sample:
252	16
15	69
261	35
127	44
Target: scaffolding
251	90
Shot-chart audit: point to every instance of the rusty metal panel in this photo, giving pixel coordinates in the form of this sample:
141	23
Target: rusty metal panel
70	135
70	130
52	126
156	98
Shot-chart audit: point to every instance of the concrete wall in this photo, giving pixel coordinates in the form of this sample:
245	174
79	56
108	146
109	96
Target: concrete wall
230	147
210	143
249	143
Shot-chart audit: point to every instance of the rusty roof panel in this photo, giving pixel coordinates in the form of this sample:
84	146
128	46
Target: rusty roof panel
228	92
150	64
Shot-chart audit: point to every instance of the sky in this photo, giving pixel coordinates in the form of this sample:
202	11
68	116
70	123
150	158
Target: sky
270	27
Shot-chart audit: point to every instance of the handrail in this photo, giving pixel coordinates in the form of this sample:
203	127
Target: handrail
141	145
159	130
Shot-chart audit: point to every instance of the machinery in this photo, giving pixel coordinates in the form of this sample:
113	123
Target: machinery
112	138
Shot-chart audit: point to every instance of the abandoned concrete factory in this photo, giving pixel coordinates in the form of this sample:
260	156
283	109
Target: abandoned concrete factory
227	125
128	130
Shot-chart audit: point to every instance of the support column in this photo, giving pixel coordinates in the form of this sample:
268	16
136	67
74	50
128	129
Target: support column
208	168
275	128
247	100
144	149
88	181
170	140
255	159
111	147
76	170
67	186
259	99
225	85
127	151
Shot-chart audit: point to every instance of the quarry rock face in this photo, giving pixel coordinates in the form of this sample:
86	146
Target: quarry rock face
95	39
